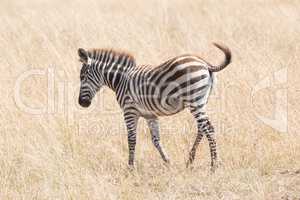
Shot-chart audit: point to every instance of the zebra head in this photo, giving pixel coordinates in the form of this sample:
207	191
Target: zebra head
90	82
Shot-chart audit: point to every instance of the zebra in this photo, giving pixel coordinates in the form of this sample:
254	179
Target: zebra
145	91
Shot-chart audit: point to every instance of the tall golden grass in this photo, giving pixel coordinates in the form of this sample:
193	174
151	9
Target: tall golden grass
52	149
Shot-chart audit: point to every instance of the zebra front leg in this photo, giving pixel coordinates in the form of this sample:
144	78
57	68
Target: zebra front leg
154	130
131	120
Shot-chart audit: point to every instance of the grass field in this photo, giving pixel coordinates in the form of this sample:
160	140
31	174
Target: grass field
50	148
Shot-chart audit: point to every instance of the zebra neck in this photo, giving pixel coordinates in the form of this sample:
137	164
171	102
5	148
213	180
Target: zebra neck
115	78
118	82
115	71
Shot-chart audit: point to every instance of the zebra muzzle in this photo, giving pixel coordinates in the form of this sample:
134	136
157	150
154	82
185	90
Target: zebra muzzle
84	102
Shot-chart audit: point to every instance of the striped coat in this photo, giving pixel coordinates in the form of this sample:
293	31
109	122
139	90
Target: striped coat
144	91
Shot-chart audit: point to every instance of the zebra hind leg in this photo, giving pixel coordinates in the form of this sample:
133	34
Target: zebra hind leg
192	153
204	128
154	130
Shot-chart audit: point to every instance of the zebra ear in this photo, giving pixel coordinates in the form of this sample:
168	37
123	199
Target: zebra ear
83	55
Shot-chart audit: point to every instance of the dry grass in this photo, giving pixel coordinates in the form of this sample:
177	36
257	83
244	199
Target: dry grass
70	153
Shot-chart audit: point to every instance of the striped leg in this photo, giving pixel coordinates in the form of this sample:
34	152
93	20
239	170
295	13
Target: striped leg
154	130
204	127
194	148
131	120
208	129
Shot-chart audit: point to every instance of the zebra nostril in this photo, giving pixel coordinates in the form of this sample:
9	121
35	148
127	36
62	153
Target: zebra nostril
84	102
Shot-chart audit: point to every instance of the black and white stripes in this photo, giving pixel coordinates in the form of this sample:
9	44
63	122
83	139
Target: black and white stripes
145	91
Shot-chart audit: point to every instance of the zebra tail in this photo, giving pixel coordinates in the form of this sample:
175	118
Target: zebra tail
226	61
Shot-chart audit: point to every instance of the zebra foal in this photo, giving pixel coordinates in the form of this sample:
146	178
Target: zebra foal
144	91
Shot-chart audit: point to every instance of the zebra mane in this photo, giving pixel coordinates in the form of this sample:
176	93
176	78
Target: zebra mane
98	54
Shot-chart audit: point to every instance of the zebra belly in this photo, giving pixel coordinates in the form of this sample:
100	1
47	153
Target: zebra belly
160	106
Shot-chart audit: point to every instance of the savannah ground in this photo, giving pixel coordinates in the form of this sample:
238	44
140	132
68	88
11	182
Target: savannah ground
50	148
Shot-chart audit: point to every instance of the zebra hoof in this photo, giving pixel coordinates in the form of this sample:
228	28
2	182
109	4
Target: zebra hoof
167	164
131	168
213	168
189	166
189	163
